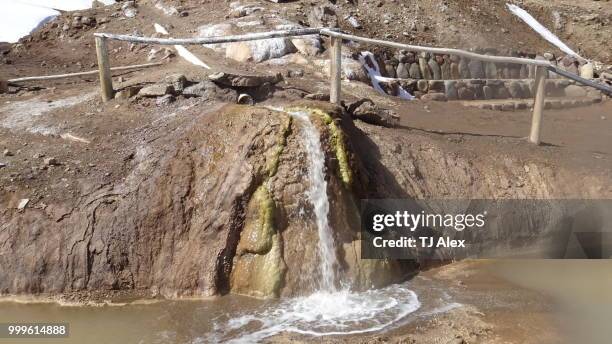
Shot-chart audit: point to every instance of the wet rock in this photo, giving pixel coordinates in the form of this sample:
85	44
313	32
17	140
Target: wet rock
209	90
244	80
156	90
365	110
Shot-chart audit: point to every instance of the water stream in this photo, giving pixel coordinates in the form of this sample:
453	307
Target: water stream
331	310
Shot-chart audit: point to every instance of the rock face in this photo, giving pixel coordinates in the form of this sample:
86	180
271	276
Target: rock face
217	206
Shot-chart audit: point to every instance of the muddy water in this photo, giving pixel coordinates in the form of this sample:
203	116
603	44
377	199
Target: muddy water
234	318
581	291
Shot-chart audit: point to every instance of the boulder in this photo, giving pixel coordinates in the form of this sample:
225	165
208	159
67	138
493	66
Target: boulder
450	89
391	70
488	92
402	71
490	70
127	92
465	93
178	81
322	16
575	91
476	69
424	67
309	46
464	71
454	71
210	90
243	80
367	111
436	72
156	90
422	85
586	71
436	86
446	68
502	93
515	90
414	71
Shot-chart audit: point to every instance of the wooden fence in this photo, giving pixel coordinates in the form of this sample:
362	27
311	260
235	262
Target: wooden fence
336	37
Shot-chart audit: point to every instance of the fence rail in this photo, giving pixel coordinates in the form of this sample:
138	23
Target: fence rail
542	67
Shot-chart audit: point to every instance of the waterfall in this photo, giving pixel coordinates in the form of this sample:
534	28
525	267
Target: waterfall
329	311
317	195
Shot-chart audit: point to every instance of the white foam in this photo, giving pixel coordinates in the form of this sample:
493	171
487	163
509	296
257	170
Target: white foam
540	29
320	314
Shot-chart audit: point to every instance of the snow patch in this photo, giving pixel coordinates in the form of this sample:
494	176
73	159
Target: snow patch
19	18
541	30
376	78
181	50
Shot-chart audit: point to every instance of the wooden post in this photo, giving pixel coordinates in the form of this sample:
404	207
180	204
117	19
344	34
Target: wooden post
538	104
106	81
335	70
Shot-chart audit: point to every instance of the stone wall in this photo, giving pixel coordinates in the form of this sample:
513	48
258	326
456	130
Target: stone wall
411	65
486	89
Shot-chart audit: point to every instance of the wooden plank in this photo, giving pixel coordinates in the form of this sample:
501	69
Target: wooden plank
211	40
335	71
91	72
538	105
467	54
106	80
